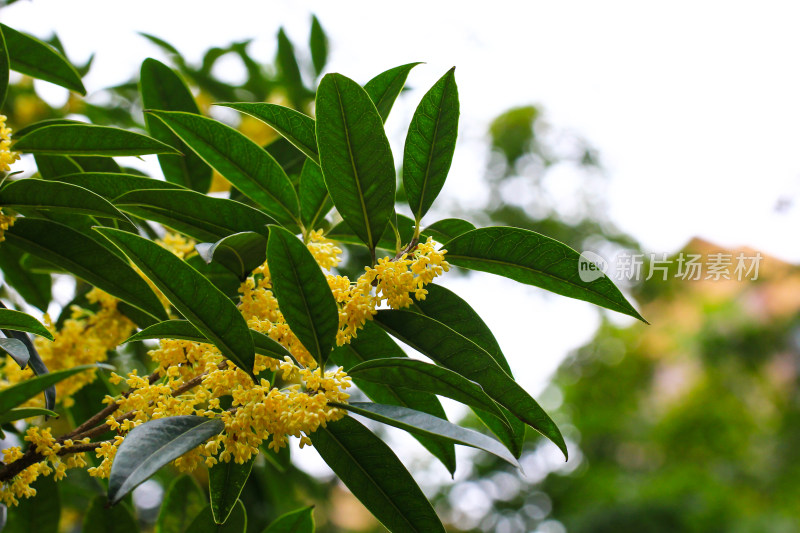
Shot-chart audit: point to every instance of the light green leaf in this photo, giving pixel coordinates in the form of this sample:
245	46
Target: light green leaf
241	161
204	522
18	393
294	126
85	258
182	503
194	296
199	216
355	157
425	424
384	88
240	253
57	196
299	521
451	350
101	518
315	202
88	139
303	293
430	144
375	476
225	484
534	259
164	89
152	445
20	413
28	55
19	321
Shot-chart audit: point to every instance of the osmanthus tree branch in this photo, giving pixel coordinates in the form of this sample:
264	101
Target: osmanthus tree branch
94	426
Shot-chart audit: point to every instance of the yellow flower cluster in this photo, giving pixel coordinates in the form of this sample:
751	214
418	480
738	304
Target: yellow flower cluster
7	157
6	221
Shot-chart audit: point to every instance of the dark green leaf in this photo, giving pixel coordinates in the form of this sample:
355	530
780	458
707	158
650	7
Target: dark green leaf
303	293
450	349
221	277
240	253
420	376
28	55
315	202
225	484
199	216
204	522
289	69
384	88
87	259
182	503
111	185
4	67
534	259
375	476
341	232
241	161
53	166
299	521
19	321
101	518
425	424
355	157
153	444
14	395
91	163
287	155
447	229
318	42
17	350
34	288
374	344
195	297
164	89
88	139
430	144
20	413
35	363
294	126
56	195
31	516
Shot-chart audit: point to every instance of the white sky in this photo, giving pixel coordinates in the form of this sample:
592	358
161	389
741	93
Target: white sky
693	106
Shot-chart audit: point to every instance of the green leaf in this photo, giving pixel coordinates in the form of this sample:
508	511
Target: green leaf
85	258
19	321
35	363
182	503
221	277
57	196
195	297
384	88
199	216
425	424
4	67
241	161
110	185
448	308
183	329
28	55
31	516
355	157
225	484
451	350
374	474
447	229
153	444
53	166
374	344
343	233
240	253
315	202
20	413
34	288
294	126
17	350
88	139
415	375
288	157
534	259
318	43
289	70
204	522
14	395
102	518
430	144
97	164
164	89
303	294
299	521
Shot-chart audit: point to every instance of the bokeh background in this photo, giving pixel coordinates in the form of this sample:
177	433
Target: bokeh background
617	127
